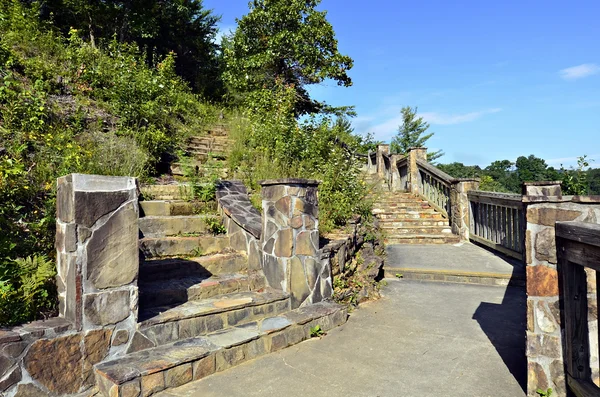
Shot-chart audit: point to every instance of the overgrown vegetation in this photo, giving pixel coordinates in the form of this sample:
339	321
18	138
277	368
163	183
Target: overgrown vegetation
115	88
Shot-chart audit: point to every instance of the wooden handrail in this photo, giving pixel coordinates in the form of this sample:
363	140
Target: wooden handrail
441	175
577	248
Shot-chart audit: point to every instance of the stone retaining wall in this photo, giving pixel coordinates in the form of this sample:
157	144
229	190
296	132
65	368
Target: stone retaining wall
544	207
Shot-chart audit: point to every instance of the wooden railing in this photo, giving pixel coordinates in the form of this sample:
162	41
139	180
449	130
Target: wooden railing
497	221
578	247
434	186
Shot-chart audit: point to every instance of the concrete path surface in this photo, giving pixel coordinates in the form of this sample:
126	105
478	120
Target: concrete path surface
420	339
464	257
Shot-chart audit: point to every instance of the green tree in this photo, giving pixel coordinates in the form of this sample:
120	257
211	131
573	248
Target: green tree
288	42
575	180
412	133
594	180
459	170
158	27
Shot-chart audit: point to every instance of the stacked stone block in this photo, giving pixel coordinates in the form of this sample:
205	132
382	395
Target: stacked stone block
545	206
290	241
459	201
97	264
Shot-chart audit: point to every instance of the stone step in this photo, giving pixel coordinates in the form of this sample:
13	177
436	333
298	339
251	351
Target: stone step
198	168
402	208
153	370
154	247
160	226
426	230
156	269
208	145
173	291
455	276
167	192
204	156
175	207
408	216
392	223
422	239
209	315
221	139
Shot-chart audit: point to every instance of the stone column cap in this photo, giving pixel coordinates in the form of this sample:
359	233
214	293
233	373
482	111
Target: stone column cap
99	183
290	181
542	183
417	148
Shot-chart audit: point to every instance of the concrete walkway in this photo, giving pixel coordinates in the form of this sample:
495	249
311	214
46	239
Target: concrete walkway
420	339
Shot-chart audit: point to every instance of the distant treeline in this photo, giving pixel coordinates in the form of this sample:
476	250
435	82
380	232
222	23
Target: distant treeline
508	176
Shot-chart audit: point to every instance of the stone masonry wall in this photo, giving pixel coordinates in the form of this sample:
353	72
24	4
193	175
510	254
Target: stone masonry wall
97	264
244	226
544	207
290	240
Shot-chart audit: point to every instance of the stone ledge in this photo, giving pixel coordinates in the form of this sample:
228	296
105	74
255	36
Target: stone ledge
290	181
36	329
233	199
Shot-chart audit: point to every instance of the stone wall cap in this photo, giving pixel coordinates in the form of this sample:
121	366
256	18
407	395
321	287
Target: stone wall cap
586	199
417	148
542	183
101	183
290	181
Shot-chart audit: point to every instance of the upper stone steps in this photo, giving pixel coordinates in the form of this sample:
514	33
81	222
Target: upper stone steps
393	223
153	370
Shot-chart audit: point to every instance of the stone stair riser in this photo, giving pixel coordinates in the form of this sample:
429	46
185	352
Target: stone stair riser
175	208
419	230
421	240
164	333
203	290
194	363
172	225
183	246
390	223
400	217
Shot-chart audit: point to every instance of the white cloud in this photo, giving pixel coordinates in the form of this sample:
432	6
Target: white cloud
386	130
571	161
448	119
580	71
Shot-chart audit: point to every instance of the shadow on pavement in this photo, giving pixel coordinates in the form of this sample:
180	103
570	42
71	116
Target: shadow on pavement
505	326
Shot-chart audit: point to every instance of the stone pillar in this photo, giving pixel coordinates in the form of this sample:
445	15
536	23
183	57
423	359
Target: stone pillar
97	251
381	150
414	154
460	206
290	239
396	178
544	354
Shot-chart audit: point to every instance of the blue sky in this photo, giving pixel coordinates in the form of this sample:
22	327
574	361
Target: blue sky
495	79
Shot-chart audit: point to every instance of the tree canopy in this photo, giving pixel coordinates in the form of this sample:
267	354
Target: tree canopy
285	42
412	133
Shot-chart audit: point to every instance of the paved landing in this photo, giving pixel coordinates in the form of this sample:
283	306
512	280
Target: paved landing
463	257
420	339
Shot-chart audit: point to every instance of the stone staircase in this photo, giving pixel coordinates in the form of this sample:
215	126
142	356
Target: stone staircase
205	152
200	311
408	219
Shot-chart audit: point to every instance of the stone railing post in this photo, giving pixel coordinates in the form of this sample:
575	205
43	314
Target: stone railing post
459	202
395	180
290	238
97	251
381	150
541	208
414	154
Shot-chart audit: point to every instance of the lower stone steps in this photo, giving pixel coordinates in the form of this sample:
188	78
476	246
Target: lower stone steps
393	223
156	269
179	169
153	370
194	287
409	215
428	230
173	225
422	239
155	247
